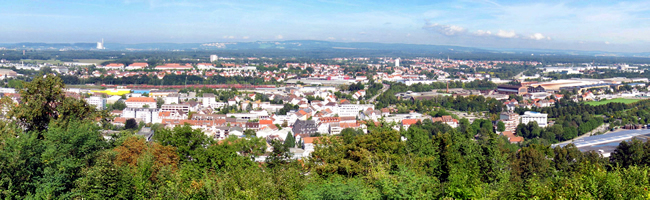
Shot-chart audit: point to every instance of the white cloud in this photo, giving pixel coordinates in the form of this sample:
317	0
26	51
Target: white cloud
231	37
538	36
445	29
331	38
245	37
482	33
279	37
506	34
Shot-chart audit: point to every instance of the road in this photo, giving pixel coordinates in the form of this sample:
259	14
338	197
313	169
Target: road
518	75
386	86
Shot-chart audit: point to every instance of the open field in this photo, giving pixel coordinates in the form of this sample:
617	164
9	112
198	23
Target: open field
54	62
618	100
96	61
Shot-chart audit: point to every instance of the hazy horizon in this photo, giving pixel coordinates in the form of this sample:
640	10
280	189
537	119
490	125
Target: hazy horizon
611	26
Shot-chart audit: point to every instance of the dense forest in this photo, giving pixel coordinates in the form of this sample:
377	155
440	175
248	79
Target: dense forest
52	147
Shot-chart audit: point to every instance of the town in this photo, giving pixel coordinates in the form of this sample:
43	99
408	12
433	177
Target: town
303	101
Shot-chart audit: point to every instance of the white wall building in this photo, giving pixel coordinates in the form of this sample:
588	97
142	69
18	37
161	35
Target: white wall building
540	118
140	102
96	101
347	110
214	58
146	115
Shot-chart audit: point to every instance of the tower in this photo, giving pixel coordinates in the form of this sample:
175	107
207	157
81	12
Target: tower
397	62
214	58
100	45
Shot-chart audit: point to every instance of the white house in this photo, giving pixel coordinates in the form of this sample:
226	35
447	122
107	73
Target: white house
205	66
136	66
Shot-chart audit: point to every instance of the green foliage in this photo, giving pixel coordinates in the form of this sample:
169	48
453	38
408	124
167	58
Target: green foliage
501	126
188	142
131	124
290	141
40	98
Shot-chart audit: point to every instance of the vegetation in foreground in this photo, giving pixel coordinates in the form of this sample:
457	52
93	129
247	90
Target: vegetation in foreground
52	148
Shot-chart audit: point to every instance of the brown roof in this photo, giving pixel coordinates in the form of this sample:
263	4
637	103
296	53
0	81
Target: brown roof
309	140
512	137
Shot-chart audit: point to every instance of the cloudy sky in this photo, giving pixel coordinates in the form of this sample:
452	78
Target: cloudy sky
577	25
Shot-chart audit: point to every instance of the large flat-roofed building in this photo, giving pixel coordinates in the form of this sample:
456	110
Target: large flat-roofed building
512	89
540	118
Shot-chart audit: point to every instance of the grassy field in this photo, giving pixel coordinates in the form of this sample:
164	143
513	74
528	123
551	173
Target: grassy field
96	61
619	100
54	62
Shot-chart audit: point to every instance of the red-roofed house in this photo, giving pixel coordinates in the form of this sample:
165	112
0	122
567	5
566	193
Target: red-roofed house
137	66
512	137
406	123
140	102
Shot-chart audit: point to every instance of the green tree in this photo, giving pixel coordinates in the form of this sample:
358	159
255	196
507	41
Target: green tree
289	140
279	156
40	98
188	142
159	102
118	105
501	126
131	124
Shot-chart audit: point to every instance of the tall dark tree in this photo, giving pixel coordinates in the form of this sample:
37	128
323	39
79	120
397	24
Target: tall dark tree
290	141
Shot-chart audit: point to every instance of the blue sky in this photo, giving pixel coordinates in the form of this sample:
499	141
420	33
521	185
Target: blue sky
577	25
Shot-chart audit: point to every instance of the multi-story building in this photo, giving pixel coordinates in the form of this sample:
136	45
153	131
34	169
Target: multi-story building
97	101
173	98
176	107
353	109
208	99
304	127
146	115
510	120
540	118
140	102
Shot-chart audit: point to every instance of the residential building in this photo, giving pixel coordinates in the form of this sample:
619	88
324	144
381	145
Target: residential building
97	101
540	118
146	115
137	66
140	102
304	127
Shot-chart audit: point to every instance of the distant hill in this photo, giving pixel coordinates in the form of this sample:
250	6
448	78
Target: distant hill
311	47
